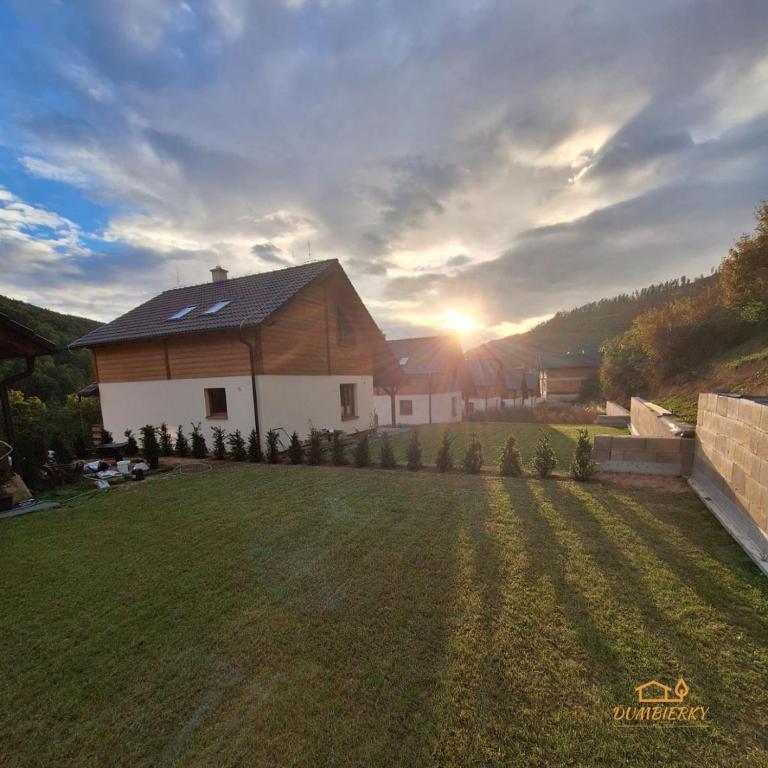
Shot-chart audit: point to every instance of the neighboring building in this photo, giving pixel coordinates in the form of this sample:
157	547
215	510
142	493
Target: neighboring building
488	385
562	376
287	350
434	381
522	388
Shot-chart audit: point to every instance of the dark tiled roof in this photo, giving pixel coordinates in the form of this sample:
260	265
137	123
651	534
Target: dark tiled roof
22	340
581	359
253	298
483	371
513	378
427	354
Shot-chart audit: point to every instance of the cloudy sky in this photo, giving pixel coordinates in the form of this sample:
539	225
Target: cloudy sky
463	158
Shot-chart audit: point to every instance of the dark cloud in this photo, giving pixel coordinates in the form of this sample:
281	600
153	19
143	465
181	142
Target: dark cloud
457	261
269	253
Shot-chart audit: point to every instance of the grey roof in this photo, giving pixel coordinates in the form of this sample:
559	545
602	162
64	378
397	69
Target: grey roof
513	378
253	298
10	349
483	371
427	354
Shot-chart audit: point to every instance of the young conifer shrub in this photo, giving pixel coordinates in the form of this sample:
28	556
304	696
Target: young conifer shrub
296	450
413	451
254	449
544	459
219	442
149	446
582	465
166	441
315	448
199	446
509	459
83	449
132	448
181	446
272	446
473	456
237	446
444	460
363	451
338	457
386	453
106	437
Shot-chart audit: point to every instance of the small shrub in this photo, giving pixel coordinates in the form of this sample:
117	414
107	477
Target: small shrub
219	442
473	456
444	459
386	453
582	466
199	446
149	446
338	458
363	451
544	459
272	446
509	460
315	449
166	441
132	448
237	446
182	445
296	450
106	437
254	449
413	451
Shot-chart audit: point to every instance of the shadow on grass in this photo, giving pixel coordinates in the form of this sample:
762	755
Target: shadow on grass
712	583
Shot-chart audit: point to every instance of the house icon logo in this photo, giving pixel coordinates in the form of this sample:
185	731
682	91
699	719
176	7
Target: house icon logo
654	692
660	705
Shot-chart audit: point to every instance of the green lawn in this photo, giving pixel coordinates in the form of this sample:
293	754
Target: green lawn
267	616
493	435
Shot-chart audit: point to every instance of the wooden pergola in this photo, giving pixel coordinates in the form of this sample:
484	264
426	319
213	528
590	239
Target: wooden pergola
17	342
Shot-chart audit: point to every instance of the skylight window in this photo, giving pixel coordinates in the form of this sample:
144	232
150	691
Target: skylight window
214	308
404	360
182	313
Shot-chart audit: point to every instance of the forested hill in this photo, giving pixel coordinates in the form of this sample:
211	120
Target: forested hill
59	375
589	326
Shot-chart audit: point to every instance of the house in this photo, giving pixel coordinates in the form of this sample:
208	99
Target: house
434	379
488	384
522	388
563	376
284	350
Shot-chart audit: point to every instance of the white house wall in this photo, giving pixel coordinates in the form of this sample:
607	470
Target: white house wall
479	403
290	402
442	409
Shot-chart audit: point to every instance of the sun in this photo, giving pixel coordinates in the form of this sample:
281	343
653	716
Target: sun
458	322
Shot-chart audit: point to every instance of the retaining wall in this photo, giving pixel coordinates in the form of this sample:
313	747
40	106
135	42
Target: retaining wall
651	420
644	455
730	469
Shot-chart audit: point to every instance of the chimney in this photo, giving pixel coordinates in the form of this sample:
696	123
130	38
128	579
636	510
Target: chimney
218	274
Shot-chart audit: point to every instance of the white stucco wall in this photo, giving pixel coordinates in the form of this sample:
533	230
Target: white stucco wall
298	402
442	412
518	403
291	402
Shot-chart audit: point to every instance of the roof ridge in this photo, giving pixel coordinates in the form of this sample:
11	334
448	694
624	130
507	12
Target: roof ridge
252	274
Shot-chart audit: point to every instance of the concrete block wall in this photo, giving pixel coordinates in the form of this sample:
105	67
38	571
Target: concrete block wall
651	420
644	455
731	459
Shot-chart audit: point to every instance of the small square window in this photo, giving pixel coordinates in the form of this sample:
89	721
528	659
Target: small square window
216	403
348	394
406	407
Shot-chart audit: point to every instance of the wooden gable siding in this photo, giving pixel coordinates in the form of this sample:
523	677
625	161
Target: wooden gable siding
302	338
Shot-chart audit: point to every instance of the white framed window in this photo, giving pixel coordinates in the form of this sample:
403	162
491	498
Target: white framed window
406	407
216	403
348	396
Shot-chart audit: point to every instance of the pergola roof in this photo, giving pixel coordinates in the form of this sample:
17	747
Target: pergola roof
18	341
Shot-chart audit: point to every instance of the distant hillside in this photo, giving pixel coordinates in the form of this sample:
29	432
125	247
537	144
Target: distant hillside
589	326
59	375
